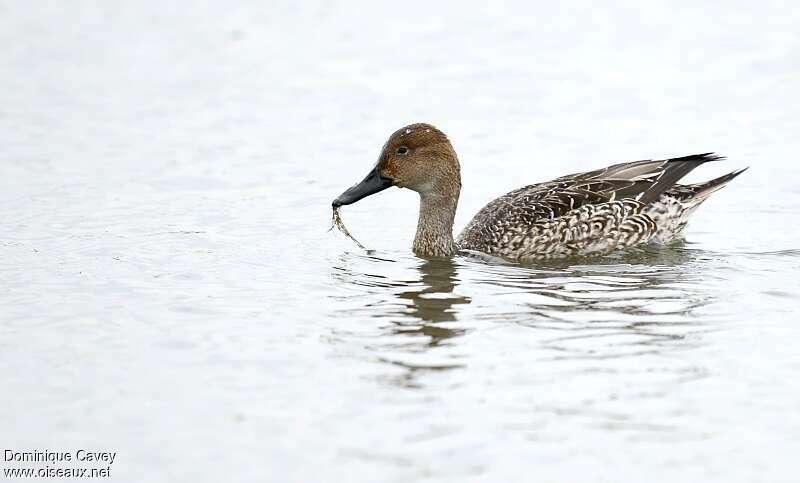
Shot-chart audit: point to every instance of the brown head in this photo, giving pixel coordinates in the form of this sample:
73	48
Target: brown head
418	157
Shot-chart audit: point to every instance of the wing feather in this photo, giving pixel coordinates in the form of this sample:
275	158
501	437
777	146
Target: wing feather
643	181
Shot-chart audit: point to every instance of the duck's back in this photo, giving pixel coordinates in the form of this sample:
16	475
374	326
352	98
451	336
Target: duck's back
590	213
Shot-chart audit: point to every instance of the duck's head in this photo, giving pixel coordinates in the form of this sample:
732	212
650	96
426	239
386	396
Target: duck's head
418	157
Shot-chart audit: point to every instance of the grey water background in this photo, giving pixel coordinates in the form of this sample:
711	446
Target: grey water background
169	289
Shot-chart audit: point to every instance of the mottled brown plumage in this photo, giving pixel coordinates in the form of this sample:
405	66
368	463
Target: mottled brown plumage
590	213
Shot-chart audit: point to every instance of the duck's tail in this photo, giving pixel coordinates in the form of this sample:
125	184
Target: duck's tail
698	193
673	210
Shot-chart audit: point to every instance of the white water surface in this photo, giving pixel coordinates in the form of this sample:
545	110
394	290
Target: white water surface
169	289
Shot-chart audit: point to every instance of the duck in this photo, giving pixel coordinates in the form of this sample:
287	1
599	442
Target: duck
591	213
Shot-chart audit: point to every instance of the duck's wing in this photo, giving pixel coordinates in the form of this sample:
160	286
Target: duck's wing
640	181
643	181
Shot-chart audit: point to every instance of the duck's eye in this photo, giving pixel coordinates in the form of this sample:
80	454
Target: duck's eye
402	150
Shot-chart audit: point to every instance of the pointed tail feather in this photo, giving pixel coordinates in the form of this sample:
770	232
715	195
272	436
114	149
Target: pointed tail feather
701	191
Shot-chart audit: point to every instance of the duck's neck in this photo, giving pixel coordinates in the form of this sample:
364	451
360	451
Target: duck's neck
435	227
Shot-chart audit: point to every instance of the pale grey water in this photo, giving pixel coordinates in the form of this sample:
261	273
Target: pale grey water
168	289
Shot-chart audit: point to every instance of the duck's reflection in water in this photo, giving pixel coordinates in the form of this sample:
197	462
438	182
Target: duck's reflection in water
432	302
432	310
624	307
641	302
415	308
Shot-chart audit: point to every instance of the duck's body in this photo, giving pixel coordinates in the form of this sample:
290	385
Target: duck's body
591	213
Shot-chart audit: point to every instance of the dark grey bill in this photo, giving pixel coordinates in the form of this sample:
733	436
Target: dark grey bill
372	184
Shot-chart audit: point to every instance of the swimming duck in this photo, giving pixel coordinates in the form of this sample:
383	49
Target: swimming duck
591	213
